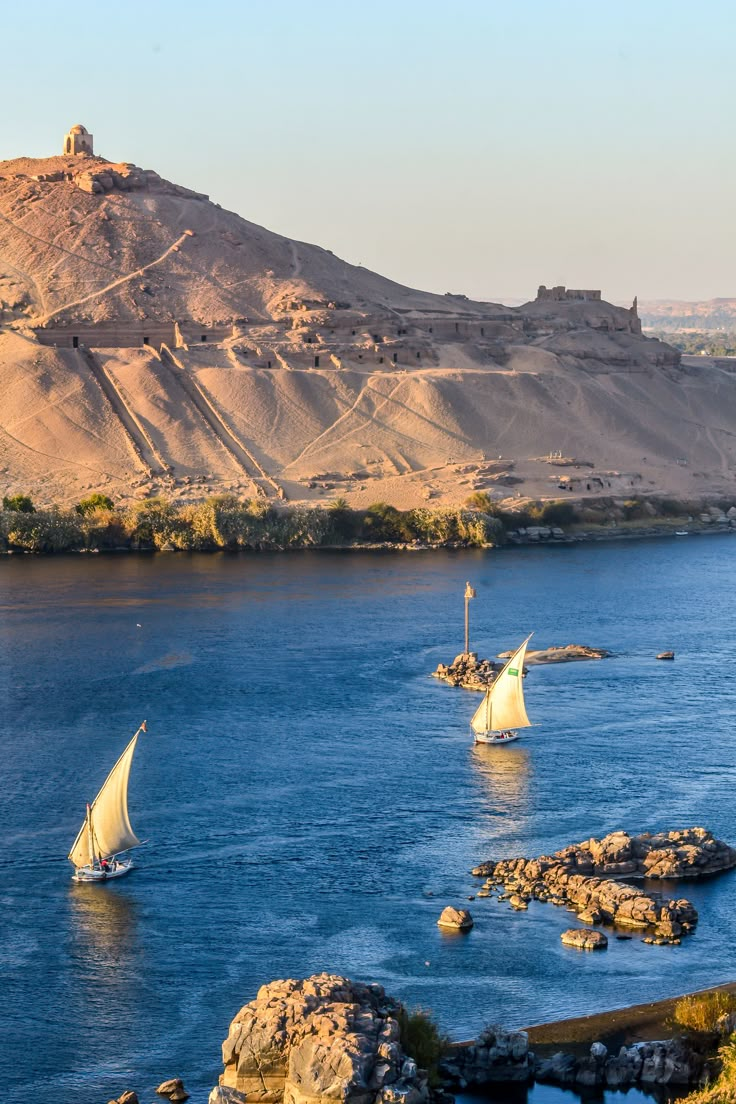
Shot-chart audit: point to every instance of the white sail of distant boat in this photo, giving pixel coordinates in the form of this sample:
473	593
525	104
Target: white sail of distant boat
502	710
107	832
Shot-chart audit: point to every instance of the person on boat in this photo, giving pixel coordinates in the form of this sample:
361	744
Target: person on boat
104	866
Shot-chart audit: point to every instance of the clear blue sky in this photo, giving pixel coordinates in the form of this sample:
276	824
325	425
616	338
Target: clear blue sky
478	147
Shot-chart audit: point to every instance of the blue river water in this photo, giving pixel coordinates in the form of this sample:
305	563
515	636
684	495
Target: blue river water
313	799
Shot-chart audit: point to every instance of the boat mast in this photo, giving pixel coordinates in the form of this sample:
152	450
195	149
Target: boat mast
469	593
90	836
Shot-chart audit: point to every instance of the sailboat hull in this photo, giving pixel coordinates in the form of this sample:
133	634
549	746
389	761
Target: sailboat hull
495	738
94	874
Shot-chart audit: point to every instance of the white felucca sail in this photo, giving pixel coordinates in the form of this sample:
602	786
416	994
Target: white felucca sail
107	829
502	708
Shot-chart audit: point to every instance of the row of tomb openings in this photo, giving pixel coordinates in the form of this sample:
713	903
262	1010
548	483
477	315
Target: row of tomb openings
145	341
75	344
110	336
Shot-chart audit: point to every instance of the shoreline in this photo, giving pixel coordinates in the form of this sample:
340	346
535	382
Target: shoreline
600	535
619	1027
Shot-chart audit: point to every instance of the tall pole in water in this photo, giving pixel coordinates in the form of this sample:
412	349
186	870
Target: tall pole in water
469	593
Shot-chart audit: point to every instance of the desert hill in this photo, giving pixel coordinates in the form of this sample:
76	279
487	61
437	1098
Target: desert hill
151	341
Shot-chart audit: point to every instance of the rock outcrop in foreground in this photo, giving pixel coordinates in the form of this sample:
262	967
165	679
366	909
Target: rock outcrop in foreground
582	875
324	1038
501	1056
666	1062
495	1056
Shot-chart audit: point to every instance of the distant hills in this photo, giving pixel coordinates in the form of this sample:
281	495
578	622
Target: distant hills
673	315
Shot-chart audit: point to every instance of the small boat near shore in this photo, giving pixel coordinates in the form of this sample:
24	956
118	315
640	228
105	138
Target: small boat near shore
106	833
502	710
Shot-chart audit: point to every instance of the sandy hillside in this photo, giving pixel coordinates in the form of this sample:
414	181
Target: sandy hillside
213	355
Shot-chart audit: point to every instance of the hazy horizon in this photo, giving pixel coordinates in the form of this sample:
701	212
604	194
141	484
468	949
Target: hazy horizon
452	150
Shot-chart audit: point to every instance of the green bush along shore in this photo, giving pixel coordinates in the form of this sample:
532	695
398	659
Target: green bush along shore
225	522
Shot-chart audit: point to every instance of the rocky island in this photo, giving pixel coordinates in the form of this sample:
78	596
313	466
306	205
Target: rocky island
467	671
586	877
560	653
471	673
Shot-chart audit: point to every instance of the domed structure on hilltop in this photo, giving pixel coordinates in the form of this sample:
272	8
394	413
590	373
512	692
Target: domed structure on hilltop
78	140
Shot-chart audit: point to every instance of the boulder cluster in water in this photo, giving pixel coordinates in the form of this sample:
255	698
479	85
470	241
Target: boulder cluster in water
471	673
172	1090
468	671
582	875
324	1038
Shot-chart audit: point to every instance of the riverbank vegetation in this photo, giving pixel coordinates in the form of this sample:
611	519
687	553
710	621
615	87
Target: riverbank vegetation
723	1089
225	522
705	1013
423	1041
